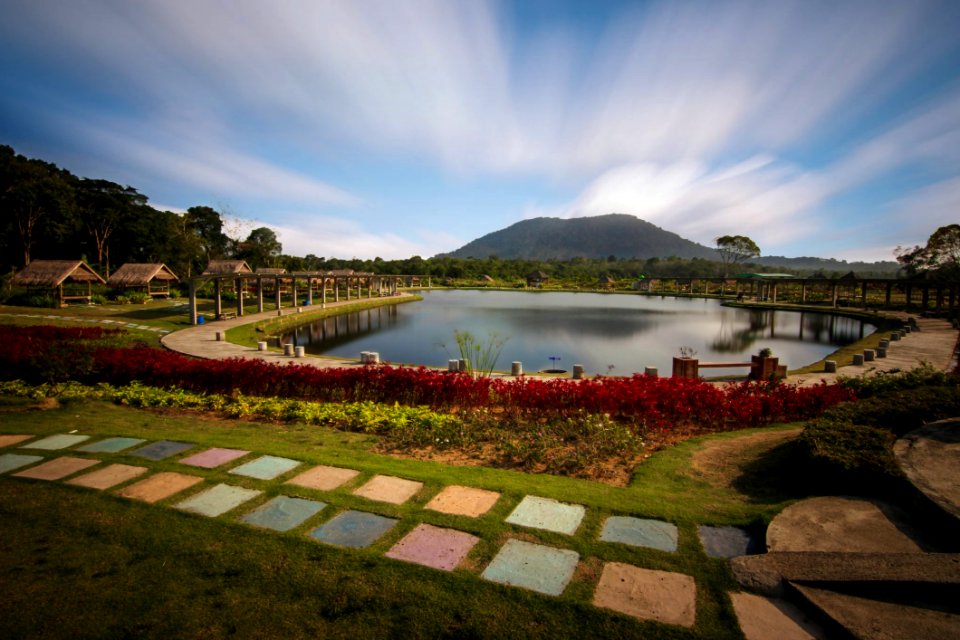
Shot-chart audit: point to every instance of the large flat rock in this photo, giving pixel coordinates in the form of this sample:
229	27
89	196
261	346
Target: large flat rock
930	458
772	619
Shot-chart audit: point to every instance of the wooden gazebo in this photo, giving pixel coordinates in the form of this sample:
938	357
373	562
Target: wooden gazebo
64	278
152	278
536	279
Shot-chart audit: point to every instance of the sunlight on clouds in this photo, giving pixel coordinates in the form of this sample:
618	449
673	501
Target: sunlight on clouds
337	237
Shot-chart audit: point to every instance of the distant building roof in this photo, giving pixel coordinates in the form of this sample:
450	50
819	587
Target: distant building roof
226	267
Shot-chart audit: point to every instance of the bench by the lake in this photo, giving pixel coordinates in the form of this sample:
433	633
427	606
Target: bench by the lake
761	368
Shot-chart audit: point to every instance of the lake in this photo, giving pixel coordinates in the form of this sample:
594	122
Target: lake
607	333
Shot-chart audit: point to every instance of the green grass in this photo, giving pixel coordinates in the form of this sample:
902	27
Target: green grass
217	577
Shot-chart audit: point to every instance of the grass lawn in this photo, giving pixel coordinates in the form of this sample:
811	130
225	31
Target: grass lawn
81	563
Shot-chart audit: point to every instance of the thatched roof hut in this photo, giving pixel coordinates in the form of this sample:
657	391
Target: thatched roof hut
155	278
271	271
536	278
607	281
53	274
226	268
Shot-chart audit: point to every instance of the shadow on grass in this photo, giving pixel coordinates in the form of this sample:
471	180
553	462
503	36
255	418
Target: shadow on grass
778	474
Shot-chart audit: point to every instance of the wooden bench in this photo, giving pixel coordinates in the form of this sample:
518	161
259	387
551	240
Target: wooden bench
228	315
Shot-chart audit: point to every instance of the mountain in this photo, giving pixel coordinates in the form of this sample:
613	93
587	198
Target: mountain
616	234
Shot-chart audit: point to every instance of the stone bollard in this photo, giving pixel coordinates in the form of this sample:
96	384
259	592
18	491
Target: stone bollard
299	352
464	365
299	309
374	357
884	344
906	329
895	336
881	352
858	359
516	369
261	346
869	355
453	365
651	372
364	357
279	312
220	336
288	349
829	366
578	372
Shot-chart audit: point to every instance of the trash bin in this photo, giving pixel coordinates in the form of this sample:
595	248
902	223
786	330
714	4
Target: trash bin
200	320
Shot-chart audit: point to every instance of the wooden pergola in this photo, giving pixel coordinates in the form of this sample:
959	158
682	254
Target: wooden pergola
152	278
65	278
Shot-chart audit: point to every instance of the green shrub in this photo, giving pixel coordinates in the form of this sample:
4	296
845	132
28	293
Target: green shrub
885	382
854	453
902	411
98	299
138	297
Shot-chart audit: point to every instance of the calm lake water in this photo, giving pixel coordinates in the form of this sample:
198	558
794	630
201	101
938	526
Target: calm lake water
616	334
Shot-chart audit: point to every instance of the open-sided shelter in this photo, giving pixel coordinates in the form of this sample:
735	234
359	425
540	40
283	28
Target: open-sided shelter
151	278
226	267
65	279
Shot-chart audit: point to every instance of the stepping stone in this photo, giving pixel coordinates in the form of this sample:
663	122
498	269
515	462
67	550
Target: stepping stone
640	532
728	542
265	467
159	486
6	441
57	468
388	489
547	514
217	500
532	566
11	461
52	443
283	513
160	450
111	445
434	547
463	501
763	618
324	478
356	529
647	594
108	476
213	457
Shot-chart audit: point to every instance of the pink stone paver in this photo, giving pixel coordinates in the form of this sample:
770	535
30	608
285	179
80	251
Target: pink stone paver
434	547
108	476
388	489
324	478
647	594
213	457
463	501
6	441
159	486
57	468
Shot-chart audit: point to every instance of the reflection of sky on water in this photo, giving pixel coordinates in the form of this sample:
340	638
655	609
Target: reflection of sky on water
595	330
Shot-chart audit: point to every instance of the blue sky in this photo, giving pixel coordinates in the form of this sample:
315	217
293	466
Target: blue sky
395	128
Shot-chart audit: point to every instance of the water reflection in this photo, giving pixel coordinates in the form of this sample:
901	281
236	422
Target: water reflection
626	333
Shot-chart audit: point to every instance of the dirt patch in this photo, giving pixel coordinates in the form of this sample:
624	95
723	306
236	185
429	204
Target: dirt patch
720	462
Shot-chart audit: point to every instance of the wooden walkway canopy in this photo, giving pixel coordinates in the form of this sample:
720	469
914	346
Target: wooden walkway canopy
153	278
54	274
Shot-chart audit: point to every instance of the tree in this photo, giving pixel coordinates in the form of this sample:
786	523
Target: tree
261	248
940	256
735	249
104	206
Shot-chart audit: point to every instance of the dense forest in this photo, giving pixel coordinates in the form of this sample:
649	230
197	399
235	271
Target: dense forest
46	212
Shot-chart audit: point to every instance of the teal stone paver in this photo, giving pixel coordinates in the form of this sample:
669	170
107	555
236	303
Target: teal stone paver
356	529
161	450
266	467
434	547
11	461
640	532
728	542
283	513
533	566
111	445
547	514
213	457
53	443
217	500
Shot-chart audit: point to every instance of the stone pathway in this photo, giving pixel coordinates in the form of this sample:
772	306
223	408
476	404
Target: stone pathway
104	321
108	464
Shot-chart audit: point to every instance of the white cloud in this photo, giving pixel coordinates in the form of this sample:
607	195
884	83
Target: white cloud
336	237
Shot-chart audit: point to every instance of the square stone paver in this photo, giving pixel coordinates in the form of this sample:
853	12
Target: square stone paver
10	440
111	445
324	478
547	514
57	468
533	566
213	457
159	486
11	461
265	467
463	501
283	513
728	542
434	547
52	443
109	476
640	532
762	618
160	450
217	500
356	529
647	594
388	489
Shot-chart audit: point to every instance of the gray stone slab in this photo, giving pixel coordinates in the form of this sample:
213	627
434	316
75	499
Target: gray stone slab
162	449
356	529
265	467
640	532
283	513
533	566
217	500
547	514
111	445
11	461
728	542
53	443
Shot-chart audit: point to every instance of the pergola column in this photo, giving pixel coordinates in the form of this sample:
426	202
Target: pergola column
833	293
293	290
309	291
193	302
217	304
889	294
863	295
324	293
259	294
276	291
238	285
